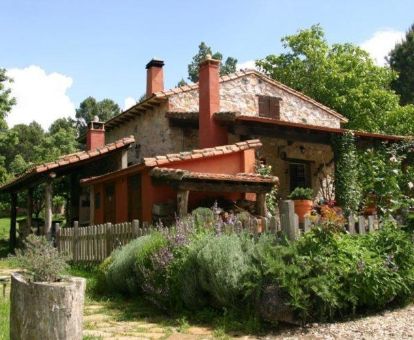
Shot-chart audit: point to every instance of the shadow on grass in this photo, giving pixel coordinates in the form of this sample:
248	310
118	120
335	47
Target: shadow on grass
4	248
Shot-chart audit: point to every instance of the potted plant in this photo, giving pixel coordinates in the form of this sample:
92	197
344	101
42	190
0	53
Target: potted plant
302	198
44	304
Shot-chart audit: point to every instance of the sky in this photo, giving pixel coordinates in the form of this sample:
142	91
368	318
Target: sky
60	52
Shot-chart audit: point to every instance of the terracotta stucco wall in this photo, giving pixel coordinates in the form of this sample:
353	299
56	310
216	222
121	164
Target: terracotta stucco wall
241	95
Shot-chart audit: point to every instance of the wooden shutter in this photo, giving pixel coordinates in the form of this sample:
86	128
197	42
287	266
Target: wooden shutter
274	107
263	106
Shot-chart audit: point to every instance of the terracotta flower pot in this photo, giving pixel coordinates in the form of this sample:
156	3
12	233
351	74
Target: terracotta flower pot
303	208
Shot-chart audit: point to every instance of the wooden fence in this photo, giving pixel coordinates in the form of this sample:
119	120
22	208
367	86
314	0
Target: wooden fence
95	243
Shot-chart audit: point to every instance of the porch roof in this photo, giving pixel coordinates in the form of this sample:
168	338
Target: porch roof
64	164
200	181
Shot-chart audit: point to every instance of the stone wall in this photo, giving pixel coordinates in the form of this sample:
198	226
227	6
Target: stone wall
153	135
241	95
320	157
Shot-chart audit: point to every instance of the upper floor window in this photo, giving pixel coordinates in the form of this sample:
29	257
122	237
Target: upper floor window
269	107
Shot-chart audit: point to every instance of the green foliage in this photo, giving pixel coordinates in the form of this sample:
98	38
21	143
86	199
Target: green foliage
347	187
401	60
301	194
119	268
41	259
228	67
6	101
90	107
341	76
271	197
224	267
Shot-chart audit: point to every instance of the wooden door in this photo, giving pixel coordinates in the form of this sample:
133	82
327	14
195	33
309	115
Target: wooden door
110	203
134	198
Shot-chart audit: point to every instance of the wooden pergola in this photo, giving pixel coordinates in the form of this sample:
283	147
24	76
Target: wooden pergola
110	157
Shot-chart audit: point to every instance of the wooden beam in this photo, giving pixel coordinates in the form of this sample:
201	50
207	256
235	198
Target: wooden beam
13	217
261	204
48	209
182	202
223	187
29	213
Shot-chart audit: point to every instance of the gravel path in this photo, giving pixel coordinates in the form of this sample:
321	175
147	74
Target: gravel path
394	324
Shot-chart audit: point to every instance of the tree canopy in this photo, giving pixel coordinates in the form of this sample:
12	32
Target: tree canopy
6	101
229	66
401	60
90	107
341	76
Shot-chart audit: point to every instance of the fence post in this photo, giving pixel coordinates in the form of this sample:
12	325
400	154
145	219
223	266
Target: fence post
108	237
361	224
290	223
371	223
75	241
57	236
307	224
135	228
351	224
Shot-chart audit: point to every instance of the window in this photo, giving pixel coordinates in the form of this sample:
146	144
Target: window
269	107
299	174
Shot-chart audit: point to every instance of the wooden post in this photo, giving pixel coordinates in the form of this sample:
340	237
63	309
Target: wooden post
307	224
91	204
135	228
290	220
57	236
108	237
29	213
371	223
123	161
351	224
13	217
48	209
75	241
182	202
261	204
361	224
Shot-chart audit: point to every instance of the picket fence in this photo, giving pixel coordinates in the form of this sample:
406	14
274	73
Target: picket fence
95	243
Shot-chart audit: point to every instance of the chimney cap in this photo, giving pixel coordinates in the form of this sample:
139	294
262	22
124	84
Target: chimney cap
155	62
209	60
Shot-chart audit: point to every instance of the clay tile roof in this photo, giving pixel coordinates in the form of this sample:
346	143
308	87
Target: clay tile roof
68	160
199	153
180	174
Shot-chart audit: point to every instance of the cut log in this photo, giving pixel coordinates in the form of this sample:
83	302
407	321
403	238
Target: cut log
47	311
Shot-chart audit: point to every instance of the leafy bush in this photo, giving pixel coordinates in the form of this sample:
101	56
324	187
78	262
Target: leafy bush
224	268
119	268
41	259
301	194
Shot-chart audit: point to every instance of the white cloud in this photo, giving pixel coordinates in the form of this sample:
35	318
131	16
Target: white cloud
129	102
381	43
246	64
40	96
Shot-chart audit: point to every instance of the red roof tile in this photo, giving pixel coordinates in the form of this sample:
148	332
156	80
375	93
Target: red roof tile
69	159
200	153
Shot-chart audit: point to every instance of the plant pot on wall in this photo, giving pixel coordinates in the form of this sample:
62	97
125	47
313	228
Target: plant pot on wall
43	310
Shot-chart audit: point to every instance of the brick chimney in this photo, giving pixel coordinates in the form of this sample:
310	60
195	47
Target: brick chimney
95	137
210	133
155	76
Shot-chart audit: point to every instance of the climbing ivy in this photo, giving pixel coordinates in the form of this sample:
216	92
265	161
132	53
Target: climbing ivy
347	187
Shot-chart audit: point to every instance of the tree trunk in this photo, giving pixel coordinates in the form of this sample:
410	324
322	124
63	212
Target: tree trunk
41	310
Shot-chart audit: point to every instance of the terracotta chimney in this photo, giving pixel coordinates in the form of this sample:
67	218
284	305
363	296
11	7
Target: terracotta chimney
95	137
155	76
210	133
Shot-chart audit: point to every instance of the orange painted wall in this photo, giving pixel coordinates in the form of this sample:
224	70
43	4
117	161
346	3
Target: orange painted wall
226	164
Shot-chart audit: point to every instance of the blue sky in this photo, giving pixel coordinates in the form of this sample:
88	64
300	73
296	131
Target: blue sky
99	48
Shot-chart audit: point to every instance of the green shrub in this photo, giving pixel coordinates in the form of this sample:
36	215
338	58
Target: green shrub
225	268
120	270
301	194
41	259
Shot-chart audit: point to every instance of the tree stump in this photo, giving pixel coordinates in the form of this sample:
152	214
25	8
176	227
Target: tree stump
42	310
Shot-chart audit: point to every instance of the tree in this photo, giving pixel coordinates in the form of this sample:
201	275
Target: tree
6	101
401	60
228	67
90	107
341	76
63	123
